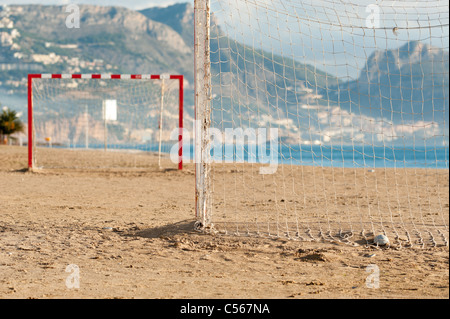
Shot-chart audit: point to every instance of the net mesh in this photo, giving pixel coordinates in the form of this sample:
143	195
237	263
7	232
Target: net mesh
104	123
357	94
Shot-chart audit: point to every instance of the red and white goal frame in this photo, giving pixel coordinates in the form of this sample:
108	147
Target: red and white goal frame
137	77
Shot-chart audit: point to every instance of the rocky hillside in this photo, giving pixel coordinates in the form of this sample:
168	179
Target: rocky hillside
409	83
180	17
110	39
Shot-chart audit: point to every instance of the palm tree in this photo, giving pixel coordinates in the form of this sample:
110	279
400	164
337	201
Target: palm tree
9	124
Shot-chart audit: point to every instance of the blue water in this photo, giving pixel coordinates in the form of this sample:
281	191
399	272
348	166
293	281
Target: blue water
327	156
355	156
366	156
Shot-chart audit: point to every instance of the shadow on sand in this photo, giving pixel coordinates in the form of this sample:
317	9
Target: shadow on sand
183	227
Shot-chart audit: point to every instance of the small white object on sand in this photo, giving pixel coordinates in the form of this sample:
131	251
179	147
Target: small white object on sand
381	240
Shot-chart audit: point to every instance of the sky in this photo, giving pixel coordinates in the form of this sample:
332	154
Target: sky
132	4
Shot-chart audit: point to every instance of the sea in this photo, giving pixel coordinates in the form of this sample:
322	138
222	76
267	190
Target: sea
361	156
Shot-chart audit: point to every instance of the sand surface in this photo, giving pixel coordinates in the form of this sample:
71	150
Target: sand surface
130	235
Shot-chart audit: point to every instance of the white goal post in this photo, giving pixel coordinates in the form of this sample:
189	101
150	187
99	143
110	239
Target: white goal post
127	115
350	99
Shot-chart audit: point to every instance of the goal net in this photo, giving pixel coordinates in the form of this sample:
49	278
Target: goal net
105	121
323	120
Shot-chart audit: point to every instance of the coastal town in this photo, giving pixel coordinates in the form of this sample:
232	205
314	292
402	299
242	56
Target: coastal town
18	56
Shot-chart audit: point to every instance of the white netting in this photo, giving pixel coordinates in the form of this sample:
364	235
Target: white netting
104	123
358	95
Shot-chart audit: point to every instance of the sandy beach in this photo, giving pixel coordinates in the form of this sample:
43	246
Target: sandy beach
130	234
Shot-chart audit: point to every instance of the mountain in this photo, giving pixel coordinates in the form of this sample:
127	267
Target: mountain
124	38
180	17
109	40
410	83
260	70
